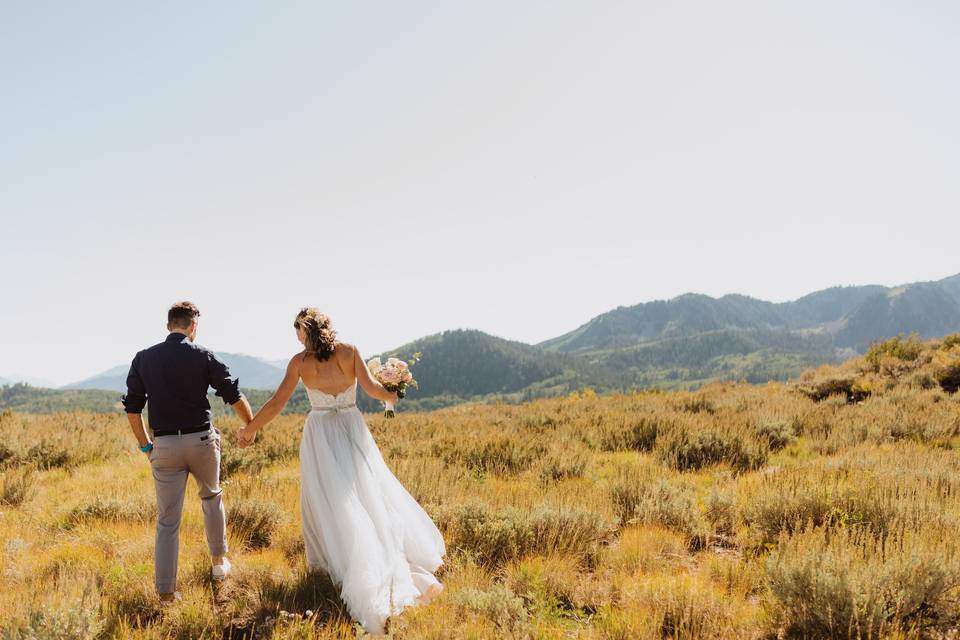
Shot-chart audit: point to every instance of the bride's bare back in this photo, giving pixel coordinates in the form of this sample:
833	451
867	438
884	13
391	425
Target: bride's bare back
334	375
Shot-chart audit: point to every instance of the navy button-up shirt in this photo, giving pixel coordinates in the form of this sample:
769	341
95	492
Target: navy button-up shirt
172	378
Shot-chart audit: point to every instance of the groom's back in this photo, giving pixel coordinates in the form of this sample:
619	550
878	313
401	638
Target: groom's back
172	379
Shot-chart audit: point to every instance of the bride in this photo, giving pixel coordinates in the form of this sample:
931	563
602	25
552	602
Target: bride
359	524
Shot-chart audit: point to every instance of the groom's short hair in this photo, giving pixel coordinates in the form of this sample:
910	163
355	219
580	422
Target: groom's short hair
181	314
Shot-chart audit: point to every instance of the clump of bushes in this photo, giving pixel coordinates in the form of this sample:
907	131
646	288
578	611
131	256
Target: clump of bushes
66	613
777	434
768	514
826	381
252	522
695	403
639	498
499	605
562	466
946	363
112	510
16	486
888	365
685	606
308	591
676	507
501	455
831	582
890	354
637	434
691	449
493	537
547	584
270	450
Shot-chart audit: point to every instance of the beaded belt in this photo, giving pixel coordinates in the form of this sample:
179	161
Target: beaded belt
336	409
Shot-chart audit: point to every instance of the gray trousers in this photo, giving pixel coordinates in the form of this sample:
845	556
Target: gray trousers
172	459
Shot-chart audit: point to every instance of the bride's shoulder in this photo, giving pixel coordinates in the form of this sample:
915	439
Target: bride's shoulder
297	360
345	350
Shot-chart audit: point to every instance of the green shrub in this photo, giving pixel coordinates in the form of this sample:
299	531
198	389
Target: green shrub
7	455
950	341
844	583
690	449
777	434
112	509
494	537
676	507
65	621
637	434
560	467
266	451
501	455
47	455
906	349
16	486
253	522
307	591
820	386
497	604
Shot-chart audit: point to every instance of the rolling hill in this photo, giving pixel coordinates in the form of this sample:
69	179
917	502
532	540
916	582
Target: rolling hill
682	342
853	316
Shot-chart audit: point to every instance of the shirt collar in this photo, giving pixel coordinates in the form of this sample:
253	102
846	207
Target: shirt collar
176	337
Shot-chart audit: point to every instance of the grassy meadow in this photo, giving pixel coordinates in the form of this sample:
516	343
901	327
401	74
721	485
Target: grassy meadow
824	508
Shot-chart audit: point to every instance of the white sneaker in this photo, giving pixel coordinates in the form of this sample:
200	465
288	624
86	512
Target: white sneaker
221	571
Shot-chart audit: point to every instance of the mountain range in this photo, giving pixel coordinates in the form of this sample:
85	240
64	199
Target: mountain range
682	342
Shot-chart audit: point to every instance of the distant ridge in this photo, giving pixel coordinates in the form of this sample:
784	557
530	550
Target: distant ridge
253	372
681	342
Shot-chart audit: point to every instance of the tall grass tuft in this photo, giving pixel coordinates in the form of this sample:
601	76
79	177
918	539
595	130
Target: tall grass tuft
16	486
830	582
253	522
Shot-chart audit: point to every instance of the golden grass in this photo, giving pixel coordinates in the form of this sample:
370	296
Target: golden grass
731	512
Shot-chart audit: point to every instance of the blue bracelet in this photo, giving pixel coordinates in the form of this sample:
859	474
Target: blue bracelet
146	448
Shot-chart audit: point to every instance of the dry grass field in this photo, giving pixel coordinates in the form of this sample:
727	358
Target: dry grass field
826	508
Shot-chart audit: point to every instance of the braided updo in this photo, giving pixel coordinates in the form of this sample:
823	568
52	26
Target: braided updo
319	332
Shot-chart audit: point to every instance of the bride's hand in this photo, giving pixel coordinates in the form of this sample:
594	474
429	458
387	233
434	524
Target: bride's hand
245	438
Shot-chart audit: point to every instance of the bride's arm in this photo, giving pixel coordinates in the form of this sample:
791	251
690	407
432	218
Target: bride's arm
373	388
275	404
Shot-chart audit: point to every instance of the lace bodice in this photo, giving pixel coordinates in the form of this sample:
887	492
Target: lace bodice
323	400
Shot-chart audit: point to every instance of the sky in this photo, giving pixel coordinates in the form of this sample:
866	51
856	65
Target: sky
513	167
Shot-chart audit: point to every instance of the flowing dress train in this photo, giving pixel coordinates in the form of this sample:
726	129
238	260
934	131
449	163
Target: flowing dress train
359	524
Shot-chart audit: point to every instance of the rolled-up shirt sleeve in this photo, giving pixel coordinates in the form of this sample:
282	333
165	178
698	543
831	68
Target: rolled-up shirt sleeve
225	385
136	397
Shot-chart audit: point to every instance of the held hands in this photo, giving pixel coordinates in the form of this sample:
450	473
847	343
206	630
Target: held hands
245	437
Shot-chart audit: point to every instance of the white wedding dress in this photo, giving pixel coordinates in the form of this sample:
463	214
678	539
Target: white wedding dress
359	524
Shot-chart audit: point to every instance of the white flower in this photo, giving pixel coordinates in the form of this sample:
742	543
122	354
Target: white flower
374	364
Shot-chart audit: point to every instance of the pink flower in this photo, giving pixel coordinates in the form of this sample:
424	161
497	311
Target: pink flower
389	375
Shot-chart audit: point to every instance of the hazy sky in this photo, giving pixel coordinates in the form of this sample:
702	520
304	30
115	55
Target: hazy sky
409	167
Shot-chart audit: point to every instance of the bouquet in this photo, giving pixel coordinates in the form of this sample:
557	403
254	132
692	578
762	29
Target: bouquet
395	376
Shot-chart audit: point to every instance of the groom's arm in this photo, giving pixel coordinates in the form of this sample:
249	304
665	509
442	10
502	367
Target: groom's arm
133	402
139	429
243	410
228	388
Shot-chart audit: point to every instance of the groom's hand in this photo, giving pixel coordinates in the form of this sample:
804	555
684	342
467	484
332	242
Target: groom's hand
245	438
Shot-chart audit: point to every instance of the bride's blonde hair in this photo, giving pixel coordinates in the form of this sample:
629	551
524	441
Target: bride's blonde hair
319	332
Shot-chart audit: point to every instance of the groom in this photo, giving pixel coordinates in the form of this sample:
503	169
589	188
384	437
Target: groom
172	378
